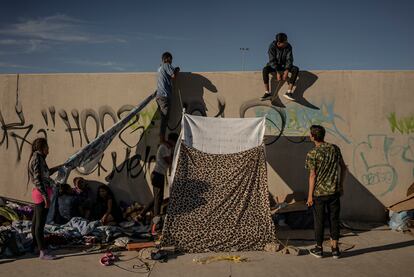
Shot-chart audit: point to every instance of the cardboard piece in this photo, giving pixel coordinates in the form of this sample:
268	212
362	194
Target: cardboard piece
140	245
405	204
294	207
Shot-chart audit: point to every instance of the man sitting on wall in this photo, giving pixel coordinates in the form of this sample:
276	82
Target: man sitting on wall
281	62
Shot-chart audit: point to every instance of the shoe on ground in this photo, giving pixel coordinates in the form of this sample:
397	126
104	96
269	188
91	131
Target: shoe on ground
266	96
289	95
316	252
336	253
46	256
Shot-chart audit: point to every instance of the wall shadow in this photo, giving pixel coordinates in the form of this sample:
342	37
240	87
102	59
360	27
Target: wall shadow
370	208
128	180
188	93
129	171
275	87
376	249
184	198
191	86
305	80
288	157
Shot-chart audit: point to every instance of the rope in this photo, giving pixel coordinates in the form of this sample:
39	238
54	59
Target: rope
230	258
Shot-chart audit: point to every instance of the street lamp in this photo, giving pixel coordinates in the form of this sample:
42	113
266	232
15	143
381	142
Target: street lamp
243	52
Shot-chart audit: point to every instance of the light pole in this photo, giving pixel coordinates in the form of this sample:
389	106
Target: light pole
243	52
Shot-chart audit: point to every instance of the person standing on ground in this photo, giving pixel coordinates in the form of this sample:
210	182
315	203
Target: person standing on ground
326	177
281	62
163	162
166	72
39	173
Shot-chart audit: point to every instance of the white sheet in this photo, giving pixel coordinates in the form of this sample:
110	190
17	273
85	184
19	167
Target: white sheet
222	135
219	135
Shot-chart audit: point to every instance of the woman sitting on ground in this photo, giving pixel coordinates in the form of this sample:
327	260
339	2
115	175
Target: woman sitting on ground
106	208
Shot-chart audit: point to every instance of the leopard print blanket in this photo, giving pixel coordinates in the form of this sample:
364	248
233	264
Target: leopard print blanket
219	202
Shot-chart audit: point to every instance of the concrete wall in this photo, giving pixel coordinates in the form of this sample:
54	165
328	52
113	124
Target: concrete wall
369	114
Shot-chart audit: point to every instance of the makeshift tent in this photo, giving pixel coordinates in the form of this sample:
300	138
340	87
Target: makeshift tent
219	195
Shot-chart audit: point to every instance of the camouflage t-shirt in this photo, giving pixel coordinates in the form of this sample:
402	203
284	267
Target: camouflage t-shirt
324	159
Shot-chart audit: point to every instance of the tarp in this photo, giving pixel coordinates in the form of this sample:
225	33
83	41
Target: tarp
88	157
219	199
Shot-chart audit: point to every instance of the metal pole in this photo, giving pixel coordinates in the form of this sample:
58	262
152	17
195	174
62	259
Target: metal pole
243	52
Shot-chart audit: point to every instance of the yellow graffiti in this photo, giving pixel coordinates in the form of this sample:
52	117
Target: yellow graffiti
145	117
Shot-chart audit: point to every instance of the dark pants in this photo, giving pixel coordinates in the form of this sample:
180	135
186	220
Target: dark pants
332	205
38	225
157	181
164	106
294	70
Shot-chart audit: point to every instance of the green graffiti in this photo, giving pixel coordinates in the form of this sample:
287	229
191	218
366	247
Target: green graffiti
299	119
145	117
372	161
403	125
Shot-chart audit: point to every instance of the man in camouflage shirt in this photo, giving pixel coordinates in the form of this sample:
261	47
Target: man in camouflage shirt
326	175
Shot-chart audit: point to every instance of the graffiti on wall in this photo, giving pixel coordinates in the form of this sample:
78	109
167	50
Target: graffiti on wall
81	127
16	132
374	161
84	126
294	121
403	125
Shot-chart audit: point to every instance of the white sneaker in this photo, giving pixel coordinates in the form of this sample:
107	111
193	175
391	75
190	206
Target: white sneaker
289	95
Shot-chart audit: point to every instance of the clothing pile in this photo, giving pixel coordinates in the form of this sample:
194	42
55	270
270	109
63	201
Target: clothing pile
402	213
16	235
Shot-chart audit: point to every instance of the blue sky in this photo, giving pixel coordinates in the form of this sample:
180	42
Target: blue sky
130	36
